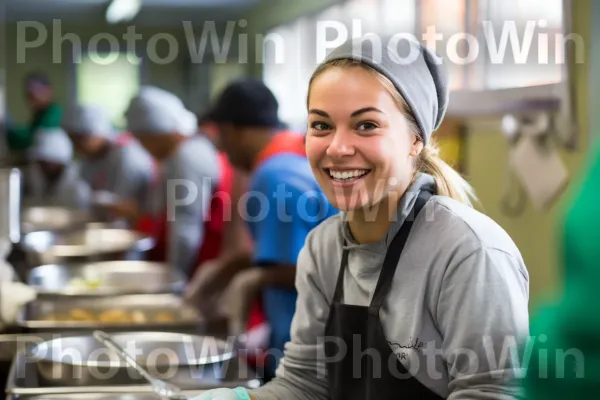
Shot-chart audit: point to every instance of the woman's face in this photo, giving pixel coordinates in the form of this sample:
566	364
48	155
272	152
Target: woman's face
359	144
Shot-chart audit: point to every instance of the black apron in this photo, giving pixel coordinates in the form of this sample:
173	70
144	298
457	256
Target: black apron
359	325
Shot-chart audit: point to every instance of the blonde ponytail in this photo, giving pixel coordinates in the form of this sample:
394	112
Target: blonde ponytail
448	181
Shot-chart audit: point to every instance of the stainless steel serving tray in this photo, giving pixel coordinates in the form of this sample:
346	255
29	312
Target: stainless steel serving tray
83	361
40	218
23	382
107	396
157	312
106	279
92	244
117	395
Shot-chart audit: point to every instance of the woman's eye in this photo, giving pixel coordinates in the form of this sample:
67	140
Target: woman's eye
366	126
320	126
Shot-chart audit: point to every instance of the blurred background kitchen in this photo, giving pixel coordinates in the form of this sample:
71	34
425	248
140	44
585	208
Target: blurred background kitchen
520	130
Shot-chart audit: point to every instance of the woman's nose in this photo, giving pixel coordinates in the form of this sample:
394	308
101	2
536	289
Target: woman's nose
340	145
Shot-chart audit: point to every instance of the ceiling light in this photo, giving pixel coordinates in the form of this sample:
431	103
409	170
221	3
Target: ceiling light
122	10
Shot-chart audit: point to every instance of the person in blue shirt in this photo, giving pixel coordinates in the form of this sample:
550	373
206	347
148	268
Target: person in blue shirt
283	205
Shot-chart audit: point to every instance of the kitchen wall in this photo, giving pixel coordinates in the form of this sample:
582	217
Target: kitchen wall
536	233
594	62
272	13
171	76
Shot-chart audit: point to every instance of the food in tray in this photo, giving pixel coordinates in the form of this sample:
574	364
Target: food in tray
113	316
164	317
88	281
79	314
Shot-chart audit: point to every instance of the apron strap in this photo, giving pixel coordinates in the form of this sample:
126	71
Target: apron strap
339	286
393	254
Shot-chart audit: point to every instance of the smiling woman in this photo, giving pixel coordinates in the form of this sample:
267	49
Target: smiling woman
395	301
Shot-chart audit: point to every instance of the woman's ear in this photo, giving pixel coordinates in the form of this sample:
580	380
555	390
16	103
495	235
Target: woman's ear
416	148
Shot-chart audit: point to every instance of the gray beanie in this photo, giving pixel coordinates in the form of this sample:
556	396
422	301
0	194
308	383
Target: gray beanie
89	120
417	73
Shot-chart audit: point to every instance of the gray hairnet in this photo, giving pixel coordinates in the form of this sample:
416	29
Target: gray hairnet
51	145
89	120
156	111
416	72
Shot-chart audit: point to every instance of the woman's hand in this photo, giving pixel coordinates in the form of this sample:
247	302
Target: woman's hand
225	394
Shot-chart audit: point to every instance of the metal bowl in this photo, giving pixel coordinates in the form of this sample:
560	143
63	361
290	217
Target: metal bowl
106	278
53	219
82	361
86	245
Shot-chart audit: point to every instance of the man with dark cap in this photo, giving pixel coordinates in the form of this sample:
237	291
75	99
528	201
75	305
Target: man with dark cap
46	113
284	203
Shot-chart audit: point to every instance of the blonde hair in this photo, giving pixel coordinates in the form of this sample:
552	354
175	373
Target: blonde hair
448	182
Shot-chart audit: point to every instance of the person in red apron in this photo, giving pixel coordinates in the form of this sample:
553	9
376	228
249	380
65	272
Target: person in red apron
119	171
189	203
409	293
215	271
251	135
213	225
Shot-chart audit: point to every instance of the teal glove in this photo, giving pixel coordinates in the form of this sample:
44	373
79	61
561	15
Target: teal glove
225	394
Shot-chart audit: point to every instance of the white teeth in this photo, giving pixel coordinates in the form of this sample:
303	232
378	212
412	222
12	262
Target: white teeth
347	175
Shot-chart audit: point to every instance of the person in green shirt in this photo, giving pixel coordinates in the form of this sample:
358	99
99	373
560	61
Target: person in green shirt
46	113
562	359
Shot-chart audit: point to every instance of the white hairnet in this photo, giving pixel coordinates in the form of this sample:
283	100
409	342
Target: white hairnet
89	120
156	111
51	145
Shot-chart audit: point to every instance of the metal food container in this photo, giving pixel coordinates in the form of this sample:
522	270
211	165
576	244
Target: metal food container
144	312
11	344
10	204
42	218
23	380
82	361
106	278
86	245
103	396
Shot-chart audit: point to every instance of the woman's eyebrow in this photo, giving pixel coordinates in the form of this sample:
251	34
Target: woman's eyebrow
354	114
318	112
364	110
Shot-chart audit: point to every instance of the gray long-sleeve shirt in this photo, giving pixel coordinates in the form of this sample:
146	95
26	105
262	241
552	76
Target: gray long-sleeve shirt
69	191
189	179
455	314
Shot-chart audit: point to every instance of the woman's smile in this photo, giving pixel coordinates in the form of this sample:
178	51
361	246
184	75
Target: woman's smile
345	177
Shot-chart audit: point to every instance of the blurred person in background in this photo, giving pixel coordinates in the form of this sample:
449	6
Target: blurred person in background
189	216
46	113
207	287
117	168
283	205
235	242
52	178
